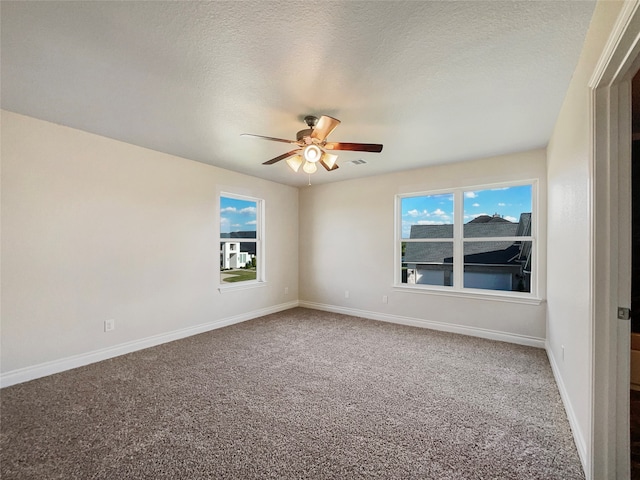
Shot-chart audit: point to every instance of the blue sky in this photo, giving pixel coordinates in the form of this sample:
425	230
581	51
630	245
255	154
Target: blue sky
508	202
237	215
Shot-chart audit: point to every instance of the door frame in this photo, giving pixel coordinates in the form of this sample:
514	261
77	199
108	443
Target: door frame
610	243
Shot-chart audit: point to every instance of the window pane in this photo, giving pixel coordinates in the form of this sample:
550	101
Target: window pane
238	261
498	212
238	218
498	265
427	216
427	263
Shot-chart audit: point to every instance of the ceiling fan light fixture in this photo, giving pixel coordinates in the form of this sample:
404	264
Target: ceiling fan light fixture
330	160
310	167
312	153
294	162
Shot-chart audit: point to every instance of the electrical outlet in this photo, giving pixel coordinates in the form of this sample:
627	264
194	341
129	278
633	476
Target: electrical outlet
385	299
286	290
346	294
109	325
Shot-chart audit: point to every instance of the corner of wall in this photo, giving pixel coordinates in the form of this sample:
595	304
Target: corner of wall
578	436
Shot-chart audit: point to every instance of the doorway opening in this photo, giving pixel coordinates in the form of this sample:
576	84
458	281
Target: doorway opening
634	404
634	407
611	109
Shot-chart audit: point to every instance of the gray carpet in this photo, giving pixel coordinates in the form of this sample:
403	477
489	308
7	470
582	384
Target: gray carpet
298	394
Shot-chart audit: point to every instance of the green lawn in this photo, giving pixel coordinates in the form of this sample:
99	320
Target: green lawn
240	275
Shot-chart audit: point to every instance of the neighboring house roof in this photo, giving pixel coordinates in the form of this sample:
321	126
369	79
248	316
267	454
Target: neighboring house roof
244	234
249	247
500	256
524	225
490	229
494	252
431	231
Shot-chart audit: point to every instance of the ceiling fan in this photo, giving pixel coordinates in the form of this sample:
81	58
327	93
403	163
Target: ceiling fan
312	144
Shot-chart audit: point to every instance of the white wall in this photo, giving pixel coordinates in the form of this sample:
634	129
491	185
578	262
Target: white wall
346	243
96	229
568	173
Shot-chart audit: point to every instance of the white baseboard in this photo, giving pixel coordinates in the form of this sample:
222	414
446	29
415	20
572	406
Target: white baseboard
56	366
578	437
419	322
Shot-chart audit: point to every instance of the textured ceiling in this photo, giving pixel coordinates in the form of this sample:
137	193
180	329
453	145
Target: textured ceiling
435	82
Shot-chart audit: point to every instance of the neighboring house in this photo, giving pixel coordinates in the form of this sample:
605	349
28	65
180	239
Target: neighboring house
235	254
232	257
495	265
249	247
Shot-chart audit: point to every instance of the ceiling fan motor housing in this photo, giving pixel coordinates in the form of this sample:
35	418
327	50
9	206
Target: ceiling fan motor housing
304	135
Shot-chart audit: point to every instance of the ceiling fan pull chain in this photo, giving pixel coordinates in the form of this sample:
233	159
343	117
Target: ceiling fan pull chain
309	179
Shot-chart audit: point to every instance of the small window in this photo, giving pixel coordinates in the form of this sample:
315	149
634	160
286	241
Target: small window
240	239
481	239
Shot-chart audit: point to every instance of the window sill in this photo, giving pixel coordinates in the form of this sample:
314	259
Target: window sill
241	286
475	294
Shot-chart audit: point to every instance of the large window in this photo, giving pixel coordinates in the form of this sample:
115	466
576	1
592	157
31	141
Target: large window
479	238
240	239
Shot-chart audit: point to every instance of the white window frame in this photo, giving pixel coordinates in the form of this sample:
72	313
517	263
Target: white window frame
458	241
260	279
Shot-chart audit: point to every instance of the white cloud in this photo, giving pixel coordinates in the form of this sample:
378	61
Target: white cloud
470	194
236	225
439	212
476	204
228	210
252	222
417	213
251	210
511	219
502	204
224	222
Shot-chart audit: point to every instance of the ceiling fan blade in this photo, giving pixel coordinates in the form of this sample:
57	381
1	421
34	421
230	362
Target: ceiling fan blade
281	157
273	139
324	127
354	147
